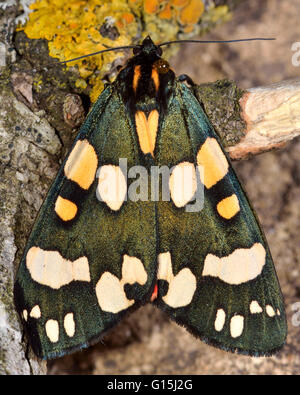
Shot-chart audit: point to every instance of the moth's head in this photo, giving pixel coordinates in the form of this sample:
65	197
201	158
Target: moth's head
147	48
149	53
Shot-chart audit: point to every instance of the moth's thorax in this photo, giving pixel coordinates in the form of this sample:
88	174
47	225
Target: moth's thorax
144	83
145	80
145	86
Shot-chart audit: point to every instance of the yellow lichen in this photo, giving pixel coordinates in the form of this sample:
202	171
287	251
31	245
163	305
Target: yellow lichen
220	13
166	12
151	6
98	87
179	3
192	12
79	27
80	83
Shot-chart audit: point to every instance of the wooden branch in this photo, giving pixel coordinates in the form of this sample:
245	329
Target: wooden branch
267	117
272	116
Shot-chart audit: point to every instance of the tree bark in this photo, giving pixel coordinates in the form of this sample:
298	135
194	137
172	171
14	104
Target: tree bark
272	117
253	121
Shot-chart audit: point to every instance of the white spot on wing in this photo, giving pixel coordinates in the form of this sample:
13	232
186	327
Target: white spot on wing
220	320
133	271
51	269
112	186
270	311
35	312
69	324
25	315
243	265
52	330
110	290
110	294
181	287
255	307
165	271
236	325
183	183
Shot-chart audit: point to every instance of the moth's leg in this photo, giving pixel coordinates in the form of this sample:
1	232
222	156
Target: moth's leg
187	79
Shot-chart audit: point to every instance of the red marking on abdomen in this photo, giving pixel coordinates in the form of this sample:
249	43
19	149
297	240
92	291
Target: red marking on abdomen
154	293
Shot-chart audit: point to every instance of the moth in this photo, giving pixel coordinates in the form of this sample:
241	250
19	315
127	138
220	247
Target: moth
96	254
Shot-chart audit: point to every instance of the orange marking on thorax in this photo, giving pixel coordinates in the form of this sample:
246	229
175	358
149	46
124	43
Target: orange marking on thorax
136	77
155	78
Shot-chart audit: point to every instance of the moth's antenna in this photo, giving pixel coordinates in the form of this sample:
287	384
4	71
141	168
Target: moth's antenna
216	41
166	43
97	53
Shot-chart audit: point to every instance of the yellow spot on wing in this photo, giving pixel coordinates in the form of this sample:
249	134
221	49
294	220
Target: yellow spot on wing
82	164
228	207
65	209
147	130
215	164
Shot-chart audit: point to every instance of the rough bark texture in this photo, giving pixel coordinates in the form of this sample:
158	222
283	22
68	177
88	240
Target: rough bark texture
253	121
272	117
33	142
20	152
